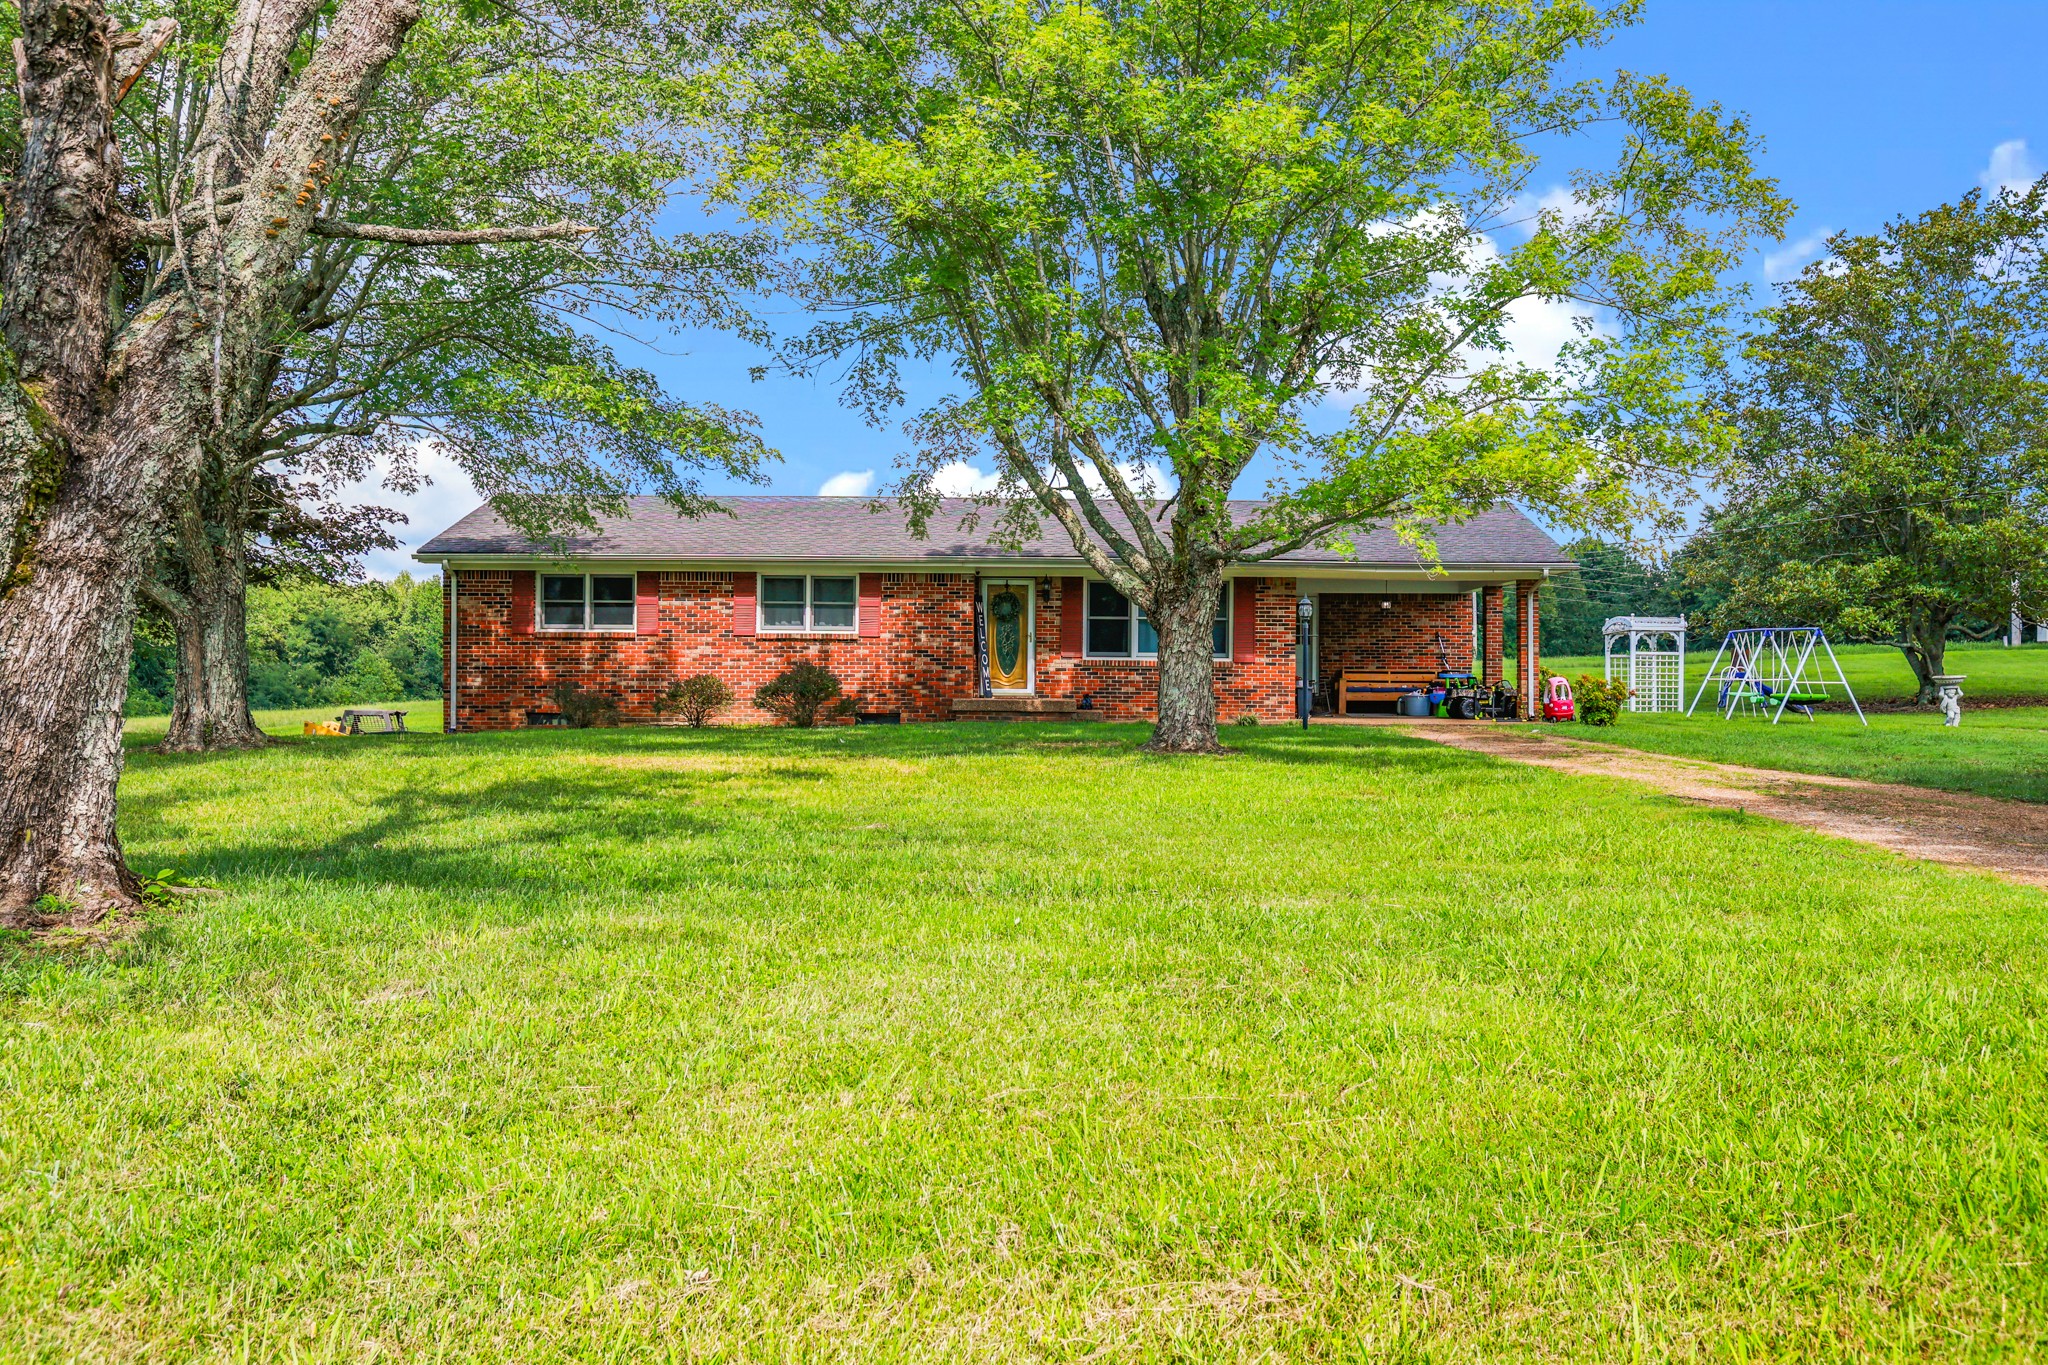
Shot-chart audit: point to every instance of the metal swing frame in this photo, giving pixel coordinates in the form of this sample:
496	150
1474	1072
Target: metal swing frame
1772	659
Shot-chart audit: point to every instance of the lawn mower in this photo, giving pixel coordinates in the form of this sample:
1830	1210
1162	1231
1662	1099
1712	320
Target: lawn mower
1457	694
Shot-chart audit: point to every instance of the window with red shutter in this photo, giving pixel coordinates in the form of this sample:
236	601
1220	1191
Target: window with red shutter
1071	614
647	605
1244	620
521	622
871	604
743	604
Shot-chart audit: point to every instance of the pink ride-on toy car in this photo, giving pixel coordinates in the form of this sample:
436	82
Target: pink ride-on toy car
1557	700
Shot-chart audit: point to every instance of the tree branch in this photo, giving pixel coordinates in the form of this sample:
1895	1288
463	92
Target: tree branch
404	236
158	230
133	50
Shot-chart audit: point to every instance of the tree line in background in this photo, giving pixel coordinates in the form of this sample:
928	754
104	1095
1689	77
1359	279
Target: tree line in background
1695	583
316	644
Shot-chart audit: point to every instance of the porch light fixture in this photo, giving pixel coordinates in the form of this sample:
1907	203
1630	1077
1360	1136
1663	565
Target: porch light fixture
1386	606
1304	690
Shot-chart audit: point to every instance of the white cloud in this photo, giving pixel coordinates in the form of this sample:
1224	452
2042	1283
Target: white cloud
1523	209
1145	478
853	483
445	498
960	479
1788	261
2010	168
1533	330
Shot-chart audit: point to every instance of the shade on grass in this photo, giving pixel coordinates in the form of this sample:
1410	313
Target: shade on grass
969	1042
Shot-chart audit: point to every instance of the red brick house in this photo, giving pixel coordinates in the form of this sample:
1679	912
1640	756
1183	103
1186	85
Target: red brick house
652	597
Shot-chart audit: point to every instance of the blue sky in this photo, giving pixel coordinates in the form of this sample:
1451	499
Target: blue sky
1868	110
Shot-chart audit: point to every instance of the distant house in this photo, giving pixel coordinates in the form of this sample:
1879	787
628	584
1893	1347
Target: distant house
652	597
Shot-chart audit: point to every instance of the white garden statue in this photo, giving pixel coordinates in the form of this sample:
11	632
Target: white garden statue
1950	697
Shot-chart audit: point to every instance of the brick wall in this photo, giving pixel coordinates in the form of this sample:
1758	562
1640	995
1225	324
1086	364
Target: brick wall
921	660
1356	632
1128	689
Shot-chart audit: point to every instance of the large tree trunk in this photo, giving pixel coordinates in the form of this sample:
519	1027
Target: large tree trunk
210	700
1926	650
224	686
65	638
209	616
188	716
1187	671
118	417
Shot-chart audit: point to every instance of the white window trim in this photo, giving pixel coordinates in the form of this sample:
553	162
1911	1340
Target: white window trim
540	605
1229	627
810	626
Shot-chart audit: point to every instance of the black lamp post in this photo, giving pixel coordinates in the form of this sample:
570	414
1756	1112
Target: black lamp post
1304	684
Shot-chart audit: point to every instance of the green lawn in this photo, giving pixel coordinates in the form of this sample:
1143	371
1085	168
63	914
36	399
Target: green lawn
1010	1043
1879	672
423	716
1993	752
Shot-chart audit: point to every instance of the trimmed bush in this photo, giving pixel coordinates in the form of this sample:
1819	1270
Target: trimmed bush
694	700
580	709
801	693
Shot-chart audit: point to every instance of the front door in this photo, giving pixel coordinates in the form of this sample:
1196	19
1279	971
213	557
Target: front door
1009	635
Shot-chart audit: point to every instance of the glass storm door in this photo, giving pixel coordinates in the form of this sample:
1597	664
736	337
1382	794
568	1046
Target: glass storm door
1009	636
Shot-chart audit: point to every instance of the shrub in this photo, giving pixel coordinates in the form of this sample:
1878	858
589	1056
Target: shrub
1600	701
580	709
801	693
696	700
1248	718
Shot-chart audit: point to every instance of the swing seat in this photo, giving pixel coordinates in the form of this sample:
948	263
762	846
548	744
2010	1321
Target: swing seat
1807	698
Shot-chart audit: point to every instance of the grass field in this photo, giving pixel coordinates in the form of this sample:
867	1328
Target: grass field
421	716
1993	752
1880	673
1997	751
987	1043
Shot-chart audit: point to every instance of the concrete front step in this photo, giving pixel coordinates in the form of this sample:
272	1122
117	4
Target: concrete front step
1020	708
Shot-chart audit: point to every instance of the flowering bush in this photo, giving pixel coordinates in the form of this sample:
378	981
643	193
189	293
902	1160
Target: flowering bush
1600	701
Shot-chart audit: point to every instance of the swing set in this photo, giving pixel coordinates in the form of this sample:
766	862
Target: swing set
1771	668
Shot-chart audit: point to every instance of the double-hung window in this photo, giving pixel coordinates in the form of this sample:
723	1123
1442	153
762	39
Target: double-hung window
1117	628
586	601
809	602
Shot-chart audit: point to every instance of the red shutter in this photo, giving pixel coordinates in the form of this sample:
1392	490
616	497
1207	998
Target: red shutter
647	605
871	604
522	603
743	604
1244	620
1072	597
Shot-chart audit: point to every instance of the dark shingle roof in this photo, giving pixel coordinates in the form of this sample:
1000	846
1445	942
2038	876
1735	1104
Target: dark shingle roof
789	530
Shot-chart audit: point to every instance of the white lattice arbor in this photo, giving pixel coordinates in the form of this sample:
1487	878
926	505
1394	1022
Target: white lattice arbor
1654	664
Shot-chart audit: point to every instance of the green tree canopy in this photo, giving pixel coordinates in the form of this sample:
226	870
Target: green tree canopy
1894	412
1612	580
1152	238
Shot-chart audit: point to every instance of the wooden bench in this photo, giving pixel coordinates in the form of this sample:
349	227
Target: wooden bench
1384	684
